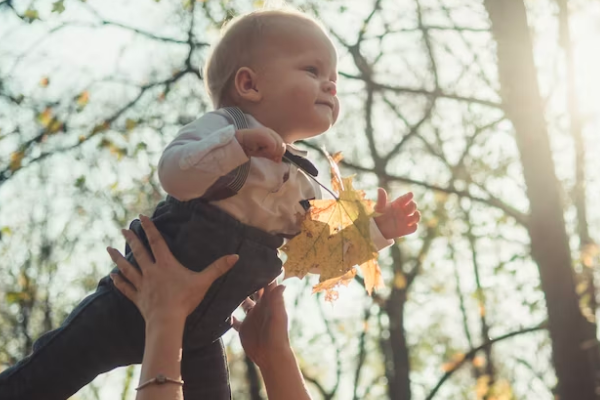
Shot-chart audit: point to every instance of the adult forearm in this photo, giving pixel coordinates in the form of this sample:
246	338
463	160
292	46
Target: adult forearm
162	355
283	379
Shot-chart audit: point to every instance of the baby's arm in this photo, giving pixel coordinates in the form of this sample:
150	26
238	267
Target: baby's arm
210	148
202	152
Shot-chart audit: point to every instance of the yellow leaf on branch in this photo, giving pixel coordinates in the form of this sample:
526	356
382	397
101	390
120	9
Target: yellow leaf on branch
45	117
31	15
335	237
130	124
16	159
83	99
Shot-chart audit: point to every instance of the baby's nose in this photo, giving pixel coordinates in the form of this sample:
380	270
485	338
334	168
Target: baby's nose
331	87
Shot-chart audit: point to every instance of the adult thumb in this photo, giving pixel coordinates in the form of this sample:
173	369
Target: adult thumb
219	267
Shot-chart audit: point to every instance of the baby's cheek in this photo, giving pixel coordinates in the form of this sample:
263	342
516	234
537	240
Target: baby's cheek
336	111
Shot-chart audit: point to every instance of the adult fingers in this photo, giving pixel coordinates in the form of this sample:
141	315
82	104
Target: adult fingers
159	248
129	271
382	200
236	323
277	294
248	304
269	288
218	268
124	287
258	294
140	253
274	291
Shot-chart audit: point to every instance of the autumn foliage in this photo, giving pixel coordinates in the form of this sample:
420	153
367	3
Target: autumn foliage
334	238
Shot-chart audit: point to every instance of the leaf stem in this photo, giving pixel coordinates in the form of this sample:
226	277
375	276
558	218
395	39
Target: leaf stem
313	178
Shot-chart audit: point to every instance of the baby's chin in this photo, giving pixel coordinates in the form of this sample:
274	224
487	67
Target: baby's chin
309	132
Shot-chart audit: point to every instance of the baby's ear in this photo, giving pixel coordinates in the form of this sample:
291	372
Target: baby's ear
245	85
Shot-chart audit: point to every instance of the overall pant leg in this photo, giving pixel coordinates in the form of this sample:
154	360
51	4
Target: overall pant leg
205	373
103	332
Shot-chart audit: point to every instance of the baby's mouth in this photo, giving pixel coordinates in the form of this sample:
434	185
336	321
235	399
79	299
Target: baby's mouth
325	103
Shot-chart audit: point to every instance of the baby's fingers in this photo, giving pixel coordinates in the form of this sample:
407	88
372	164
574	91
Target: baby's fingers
382	201
412	220
410	208
279	149
276	147
403	200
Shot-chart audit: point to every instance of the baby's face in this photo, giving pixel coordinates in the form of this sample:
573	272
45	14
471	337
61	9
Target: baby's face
298	83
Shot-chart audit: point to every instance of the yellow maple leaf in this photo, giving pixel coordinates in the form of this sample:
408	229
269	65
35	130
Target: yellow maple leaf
335	237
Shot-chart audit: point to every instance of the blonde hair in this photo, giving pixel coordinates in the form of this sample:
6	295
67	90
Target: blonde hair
241	37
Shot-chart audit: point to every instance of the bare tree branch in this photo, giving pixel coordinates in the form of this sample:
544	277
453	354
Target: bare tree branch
471	353
424	92
428	47
519	216
149	35
414	129
8	173
361	352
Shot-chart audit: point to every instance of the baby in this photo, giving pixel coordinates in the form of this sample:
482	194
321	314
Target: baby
236	184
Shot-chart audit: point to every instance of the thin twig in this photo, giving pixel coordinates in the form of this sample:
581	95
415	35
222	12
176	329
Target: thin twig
474	351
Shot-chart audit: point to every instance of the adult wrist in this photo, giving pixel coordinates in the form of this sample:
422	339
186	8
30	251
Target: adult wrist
276	358
168	318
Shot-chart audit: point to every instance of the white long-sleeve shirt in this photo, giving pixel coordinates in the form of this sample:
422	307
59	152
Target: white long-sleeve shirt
268	195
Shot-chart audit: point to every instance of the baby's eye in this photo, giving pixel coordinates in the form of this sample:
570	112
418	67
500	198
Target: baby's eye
312	70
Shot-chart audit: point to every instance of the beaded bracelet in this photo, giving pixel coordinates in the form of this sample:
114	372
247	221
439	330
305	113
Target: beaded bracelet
159	380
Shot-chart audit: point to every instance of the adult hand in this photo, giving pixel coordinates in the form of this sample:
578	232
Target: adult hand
163	287
264	331
265	339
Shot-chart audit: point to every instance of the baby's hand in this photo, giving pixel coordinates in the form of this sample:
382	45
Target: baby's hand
398	218
261	142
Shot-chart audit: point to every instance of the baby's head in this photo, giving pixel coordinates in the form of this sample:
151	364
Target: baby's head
279	66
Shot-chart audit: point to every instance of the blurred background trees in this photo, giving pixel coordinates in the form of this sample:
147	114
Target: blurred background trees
488	110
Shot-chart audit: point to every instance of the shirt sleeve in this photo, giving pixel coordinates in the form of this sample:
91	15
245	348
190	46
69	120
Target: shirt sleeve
202	152
379	241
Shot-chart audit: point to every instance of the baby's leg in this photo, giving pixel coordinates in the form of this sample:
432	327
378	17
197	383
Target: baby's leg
205	373
103	332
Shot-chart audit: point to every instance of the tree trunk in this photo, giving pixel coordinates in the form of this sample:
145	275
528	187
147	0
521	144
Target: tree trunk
549	241
395	348
590	304
253	379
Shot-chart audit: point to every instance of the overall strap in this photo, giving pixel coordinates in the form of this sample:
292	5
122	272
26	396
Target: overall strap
229	185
